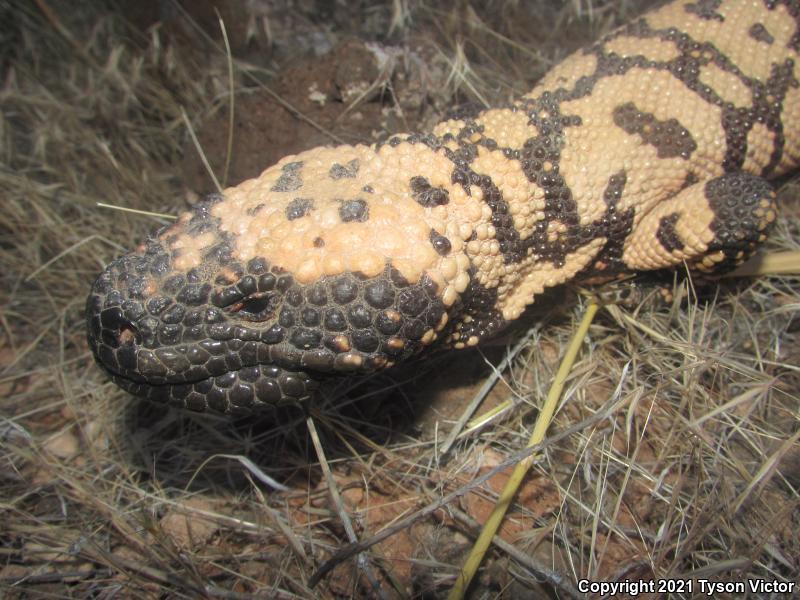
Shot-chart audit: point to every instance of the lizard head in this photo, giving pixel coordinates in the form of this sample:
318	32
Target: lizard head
226	309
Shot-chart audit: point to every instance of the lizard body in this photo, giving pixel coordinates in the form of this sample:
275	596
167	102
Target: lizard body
649	149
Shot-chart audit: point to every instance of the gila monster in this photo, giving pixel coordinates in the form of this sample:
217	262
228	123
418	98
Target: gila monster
649	149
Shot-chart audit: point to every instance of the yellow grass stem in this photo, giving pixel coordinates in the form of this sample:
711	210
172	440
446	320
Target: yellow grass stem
769	263
509	491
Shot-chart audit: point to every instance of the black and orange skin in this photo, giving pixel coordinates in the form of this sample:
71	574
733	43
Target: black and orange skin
649	149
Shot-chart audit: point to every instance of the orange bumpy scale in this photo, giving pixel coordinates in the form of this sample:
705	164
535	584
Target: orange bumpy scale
646	150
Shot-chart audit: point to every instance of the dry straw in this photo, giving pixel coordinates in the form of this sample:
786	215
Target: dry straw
671	453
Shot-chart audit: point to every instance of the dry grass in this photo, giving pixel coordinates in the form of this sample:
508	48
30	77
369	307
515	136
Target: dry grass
684	459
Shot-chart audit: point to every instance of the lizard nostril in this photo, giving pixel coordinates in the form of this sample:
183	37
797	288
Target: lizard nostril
126	334
117	329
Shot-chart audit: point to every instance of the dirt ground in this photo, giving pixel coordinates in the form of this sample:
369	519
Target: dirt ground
692	472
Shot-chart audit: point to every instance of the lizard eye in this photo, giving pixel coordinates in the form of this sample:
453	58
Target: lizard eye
256	307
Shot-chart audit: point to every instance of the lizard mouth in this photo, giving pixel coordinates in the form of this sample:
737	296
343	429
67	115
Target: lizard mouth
226	385
247	390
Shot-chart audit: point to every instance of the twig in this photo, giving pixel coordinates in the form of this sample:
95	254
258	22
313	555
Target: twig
200	151
363	561
146	213
56	577
232	103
